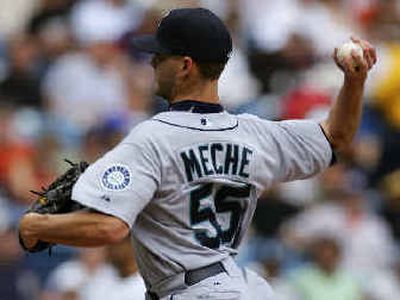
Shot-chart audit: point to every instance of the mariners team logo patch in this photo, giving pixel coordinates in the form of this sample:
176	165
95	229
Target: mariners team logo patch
116	178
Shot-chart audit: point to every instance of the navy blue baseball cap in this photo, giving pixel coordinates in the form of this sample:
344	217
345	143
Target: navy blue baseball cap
194	32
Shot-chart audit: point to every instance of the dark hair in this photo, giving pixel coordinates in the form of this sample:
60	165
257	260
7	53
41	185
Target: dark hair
211	70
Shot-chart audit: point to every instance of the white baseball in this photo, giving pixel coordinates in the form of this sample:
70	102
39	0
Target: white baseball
346	49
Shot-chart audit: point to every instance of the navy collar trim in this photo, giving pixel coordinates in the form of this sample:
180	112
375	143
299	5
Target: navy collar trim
196	107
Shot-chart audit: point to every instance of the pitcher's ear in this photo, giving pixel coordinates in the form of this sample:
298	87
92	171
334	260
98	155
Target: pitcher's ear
187	63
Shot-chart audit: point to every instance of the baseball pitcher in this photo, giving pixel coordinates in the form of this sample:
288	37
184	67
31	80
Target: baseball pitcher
185	182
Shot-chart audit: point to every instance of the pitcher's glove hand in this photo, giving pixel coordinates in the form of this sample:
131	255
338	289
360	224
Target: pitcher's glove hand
56	199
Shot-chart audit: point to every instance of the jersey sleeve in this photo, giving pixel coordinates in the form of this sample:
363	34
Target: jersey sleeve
292	150
122	182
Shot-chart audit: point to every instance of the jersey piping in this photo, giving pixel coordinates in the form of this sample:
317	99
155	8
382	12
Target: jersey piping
198	129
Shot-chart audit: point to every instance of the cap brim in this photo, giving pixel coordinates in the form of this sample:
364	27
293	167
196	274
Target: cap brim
149	44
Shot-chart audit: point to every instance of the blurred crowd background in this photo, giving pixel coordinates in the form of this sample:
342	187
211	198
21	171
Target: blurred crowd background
71	86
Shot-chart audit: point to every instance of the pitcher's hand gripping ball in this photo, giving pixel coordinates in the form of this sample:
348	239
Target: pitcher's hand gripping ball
346	52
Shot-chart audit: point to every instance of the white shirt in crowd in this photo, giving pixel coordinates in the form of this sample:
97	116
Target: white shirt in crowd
361	240
100	20
82	92
271	23
130	288
103	284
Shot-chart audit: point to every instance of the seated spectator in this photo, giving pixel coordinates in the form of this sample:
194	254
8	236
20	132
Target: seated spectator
91	277
10	253
26	163
272	268
73	279
361	232
129	284
16	160
323	278
84	87
50	27
10	267
21	87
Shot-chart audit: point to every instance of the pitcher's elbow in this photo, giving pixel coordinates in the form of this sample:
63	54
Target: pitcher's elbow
341	140
114	230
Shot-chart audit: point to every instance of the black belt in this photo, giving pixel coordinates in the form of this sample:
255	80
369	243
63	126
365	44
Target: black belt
195	276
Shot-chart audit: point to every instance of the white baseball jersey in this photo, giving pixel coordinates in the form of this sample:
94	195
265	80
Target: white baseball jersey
187	183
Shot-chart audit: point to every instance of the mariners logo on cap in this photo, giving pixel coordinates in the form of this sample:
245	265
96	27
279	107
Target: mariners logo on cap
116	178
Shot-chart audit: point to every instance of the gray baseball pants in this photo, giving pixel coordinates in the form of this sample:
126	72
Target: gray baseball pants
233	284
